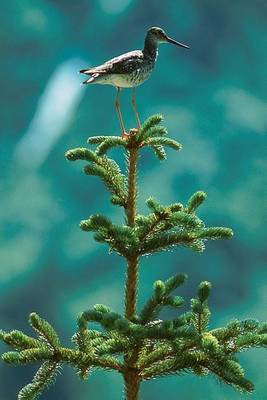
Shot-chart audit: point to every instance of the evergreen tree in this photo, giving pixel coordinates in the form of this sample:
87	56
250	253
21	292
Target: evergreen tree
138	344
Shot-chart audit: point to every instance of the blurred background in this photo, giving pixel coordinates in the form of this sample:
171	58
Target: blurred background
214	101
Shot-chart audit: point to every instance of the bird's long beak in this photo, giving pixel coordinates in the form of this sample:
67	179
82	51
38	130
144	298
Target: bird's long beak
170	40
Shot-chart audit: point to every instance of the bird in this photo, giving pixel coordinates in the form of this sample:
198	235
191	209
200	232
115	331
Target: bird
130	70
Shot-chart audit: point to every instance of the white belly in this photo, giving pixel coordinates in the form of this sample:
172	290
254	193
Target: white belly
123	80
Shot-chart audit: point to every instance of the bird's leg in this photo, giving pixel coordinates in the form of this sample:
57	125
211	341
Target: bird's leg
135	109
117	105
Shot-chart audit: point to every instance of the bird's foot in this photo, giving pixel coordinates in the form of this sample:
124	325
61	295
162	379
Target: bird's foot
124	135
133	131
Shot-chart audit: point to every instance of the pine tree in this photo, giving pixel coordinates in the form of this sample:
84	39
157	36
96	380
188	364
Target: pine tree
138	344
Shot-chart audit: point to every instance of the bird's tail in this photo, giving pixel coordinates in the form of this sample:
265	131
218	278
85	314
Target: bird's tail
84	71
92	78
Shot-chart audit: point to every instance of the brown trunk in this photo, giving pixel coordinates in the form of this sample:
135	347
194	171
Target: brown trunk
131	377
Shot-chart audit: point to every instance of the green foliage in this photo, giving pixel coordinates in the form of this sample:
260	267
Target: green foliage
195	201
44	330
161	297
105	168
164	228
43	378
152	134
139	344
150	123
164	347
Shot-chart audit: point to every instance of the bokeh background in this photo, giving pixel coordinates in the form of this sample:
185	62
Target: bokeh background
214	101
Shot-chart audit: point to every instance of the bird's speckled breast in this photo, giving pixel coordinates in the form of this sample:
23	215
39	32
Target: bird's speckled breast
135	78
138	76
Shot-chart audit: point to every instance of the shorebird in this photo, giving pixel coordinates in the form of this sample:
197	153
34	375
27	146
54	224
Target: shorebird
130	69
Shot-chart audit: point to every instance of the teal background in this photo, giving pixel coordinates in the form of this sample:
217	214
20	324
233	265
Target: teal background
213	97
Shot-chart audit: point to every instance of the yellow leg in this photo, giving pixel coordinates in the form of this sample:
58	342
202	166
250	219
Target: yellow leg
135	109
117	105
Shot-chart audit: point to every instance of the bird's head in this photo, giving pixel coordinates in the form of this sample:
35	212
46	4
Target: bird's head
158	35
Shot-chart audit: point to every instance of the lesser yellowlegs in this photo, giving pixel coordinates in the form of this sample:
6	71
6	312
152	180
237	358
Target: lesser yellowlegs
130	69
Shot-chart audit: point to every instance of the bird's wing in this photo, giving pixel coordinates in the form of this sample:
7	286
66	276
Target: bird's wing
119	65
